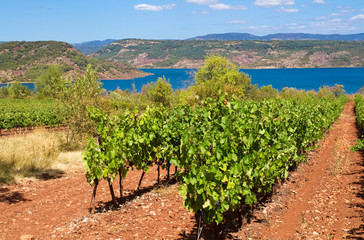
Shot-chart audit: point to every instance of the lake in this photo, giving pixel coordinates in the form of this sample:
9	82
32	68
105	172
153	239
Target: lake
306	78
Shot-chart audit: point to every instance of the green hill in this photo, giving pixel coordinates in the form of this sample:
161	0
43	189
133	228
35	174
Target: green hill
245	54
25	61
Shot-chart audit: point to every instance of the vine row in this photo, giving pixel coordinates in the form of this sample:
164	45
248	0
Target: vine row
228	153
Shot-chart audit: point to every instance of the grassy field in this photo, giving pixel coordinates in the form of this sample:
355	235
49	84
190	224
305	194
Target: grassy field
34	155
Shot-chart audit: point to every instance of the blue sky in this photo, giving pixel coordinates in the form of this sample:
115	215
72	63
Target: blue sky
80	20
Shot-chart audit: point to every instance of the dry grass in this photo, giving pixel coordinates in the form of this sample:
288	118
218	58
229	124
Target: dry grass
69	162
28	155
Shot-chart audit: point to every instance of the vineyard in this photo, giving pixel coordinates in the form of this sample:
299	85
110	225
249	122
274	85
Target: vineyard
227	154
359	111
16	113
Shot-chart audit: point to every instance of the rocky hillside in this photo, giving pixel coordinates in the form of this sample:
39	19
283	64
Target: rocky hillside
246	54
25	61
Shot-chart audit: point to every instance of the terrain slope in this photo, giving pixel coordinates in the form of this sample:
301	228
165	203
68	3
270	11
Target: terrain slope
25	61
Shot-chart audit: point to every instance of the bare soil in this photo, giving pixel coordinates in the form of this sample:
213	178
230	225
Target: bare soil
322	199
29	130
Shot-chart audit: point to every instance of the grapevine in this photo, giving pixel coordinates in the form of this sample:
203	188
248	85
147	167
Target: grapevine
228	153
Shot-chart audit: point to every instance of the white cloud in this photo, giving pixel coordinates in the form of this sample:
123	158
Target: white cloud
272	3
329	16
321	18
288	10
203	2
319	1
154	8
296	26
330	26
237	21
202	12
357	17
336	14
345	9
221	6
262	28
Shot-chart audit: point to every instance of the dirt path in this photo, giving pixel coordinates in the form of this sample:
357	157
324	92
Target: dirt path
58	209
322	199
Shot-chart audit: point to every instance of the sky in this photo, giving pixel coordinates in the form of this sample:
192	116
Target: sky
76	21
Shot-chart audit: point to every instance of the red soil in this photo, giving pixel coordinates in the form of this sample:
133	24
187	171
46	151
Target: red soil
322	199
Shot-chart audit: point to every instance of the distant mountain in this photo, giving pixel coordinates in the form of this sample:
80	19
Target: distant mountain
25	61
92	46
245	54
281	36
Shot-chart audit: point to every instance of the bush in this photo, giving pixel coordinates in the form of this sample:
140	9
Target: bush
4	92
220	75
19	91
50	83
159	92
267	92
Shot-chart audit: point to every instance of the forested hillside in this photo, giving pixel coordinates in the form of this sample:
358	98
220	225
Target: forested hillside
26	61
245	54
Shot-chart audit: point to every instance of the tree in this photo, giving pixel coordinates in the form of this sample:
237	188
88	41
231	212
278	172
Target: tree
338	90
220	75
159	92
4	91
17	90
267	92
50	83
77	96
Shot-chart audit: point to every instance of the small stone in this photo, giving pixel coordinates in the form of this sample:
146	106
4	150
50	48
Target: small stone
152	213
27	237
315	233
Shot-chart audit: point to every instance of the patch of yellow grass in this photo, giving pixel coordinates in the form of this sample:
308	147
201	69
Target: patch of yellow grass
69	162
27	155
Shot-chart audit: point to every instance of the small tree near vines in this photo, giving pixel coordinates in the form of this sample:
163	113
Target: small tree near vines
220	75
160	92
50	84
76	95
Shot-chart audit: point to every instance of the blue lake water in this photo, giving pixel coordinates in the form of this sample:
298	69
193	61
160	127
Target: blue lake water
307	78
